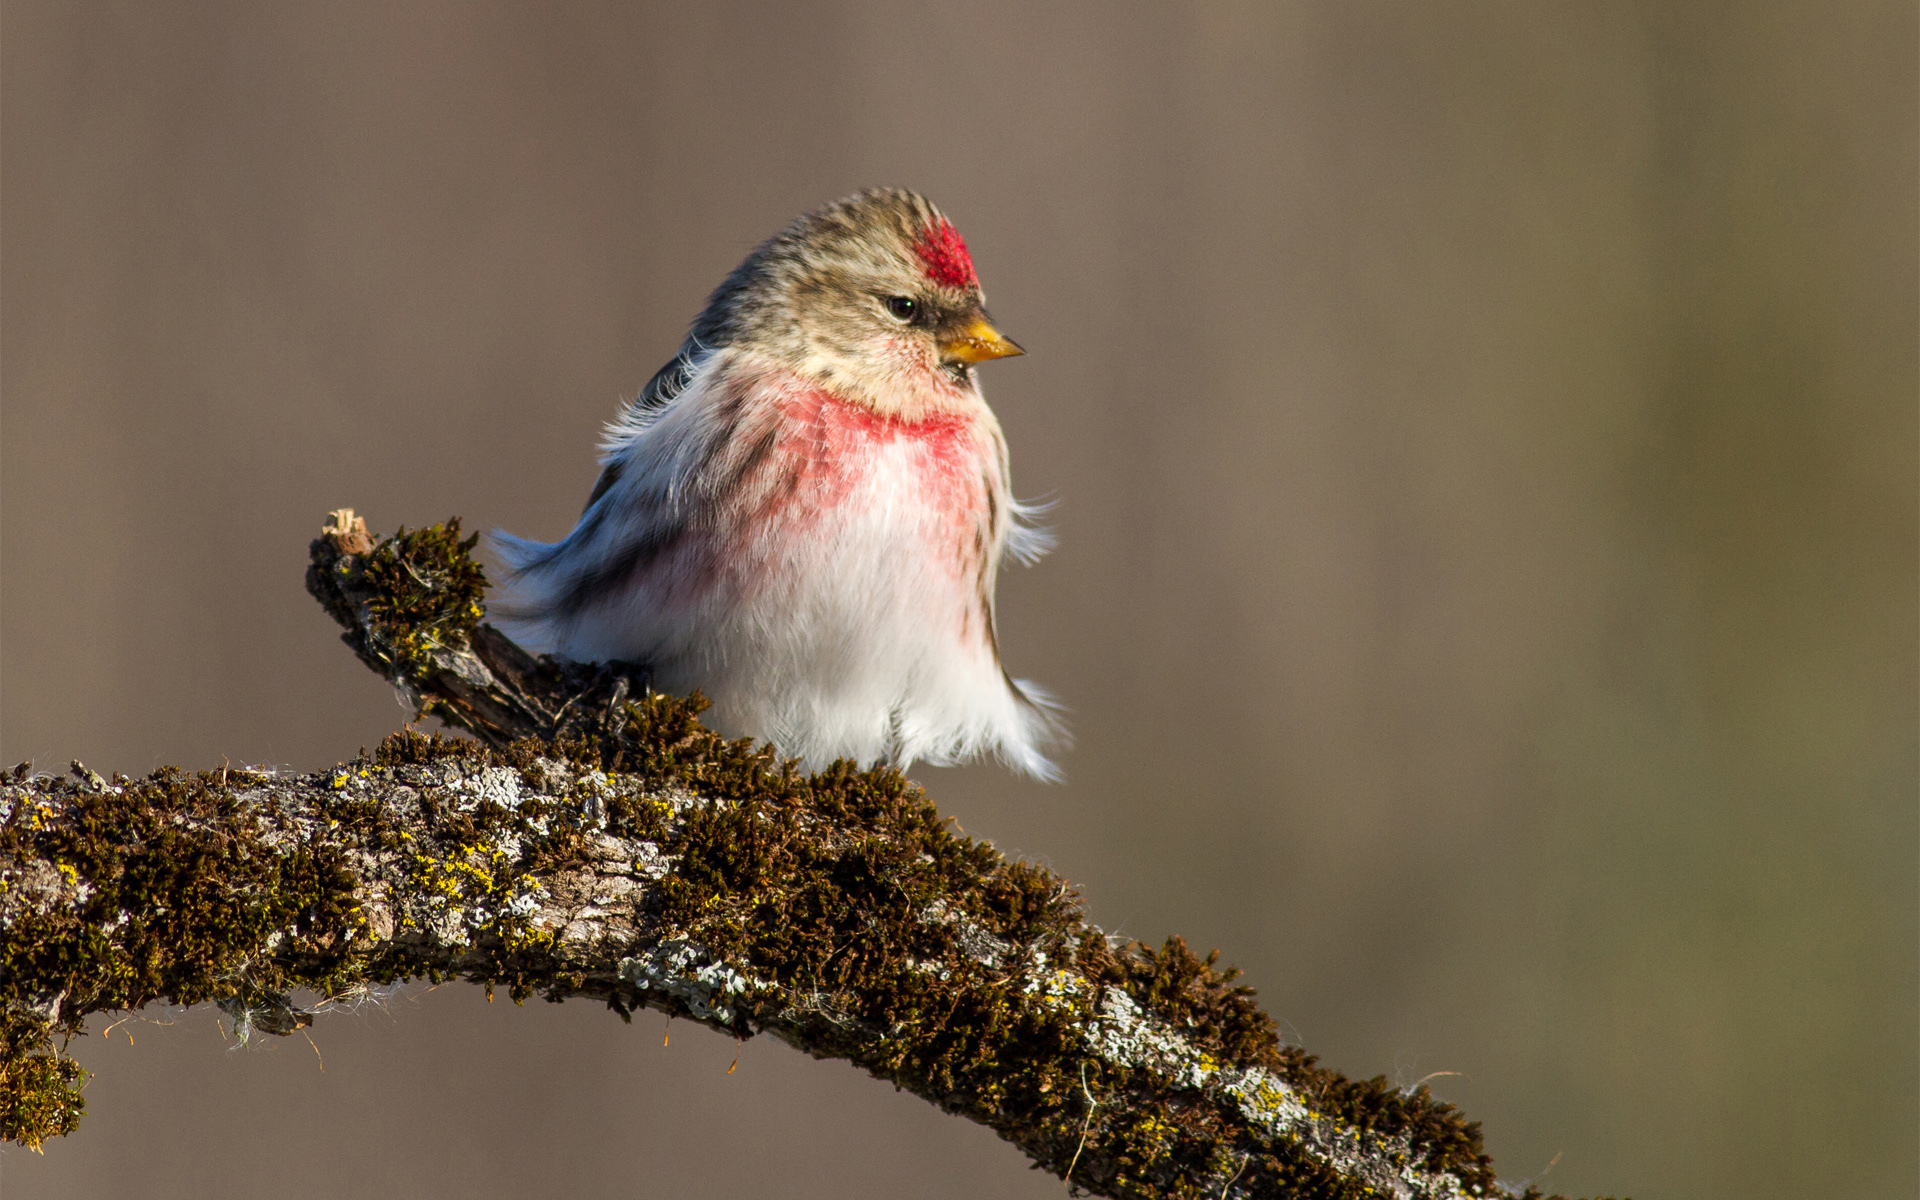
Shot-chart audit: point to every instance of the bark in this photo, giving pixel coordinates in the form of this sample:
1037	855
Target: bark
596	841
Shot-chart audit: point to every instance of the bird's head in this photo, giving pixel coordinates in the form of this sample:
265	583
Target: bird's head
873	297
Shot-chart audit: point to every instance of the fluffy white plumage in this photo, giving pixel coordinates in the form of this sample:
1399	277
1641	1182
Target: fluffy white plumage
823	574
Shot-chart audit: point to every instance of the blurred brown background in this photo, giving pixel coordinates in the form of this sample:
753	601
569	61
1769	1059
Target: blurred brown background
1485	446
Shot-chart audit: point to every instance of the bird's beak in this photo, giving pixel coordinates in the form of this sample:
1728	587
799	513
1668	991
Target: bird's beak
977	342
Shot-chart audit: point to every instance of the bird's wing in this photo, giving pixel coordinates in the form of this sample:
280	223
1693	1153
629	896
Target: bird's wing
666	385
642	512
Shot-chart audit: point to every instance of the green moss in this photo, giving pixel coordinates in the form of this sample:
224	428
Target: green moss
184	901
817	886
39	1089
841	918
423	592
153	907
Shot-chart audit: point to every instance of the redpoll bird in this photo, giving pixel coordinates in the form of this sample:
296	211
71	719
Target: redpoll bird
803	513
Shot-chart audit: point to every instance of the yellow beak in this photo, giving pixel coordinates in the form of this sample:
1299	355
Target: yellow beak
978	342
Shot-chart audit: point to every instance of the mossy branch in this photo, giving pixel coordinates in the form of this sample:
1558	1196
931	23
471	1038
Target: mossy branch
597	841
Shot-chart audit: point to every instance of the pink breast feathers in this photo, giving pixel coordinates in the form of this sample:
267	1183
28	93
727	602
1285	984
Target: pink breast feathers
829	446
945	254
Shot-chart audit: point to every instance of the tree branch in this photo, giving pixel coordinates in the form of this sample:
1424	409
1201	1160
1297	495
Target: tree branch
597	841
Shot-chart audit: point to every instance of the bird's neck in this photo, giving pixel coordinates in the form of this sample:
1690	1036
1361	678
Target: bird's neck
896	381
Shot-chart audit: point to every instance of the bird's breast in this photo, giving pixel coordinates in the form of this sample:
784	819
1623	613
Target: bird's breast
834	499
835	453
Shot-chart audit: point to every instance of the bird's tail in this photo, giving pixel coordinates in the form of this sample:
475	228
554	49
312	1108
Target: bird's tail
522	604
1041	730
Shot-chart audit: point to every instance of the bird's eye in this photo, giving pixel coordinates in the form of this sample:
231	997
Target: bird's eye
903	308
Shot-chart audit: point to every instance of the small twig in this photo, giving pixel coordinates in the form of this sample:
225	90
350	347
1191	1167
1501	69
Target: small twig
316	1050
1092	1105
1228	1186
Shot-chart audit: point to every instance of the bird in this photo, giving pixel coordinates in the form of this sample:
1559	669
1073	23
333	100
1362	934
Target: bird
804	513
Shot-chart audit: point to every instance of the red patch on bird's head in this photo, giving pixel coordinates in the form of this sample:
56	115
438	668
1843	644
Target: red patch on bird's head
948	263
